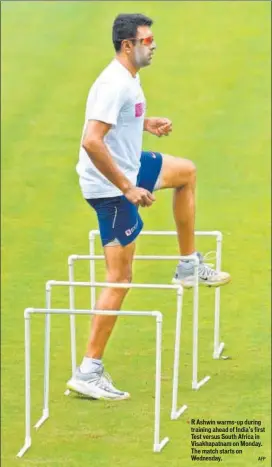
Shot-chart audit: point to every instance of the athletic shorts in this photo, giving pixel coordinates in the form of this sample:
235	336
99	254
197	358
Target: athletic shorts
118	218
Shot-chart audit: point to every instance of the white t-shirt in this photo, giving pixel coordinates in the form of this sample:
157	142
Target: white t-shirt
116	98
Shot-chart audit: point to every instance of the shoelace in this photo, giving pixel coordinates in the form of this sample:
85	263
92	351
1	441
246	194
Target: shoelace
209	256
205	269
101	374
105	381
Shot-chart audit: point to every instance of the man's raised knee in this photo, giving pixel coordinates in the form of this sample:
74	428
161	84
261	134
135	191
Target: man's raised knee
186	172
190	169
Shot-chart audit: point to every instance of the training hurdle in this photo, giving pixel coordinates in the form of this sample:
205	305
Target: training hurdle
175	412
158	445
71	260
217	345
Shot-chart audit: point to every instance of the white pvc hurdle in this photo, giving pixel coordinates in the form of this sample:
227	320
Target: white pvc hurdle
158	445
175	412
217	345
71	260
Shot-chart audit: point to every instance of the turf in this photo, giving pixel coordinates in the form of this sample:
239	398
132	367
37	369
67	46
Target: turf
211	76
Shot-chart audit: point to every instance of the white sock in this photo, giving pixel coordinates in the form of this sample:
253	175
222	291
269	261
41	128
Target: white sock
187	260
89	364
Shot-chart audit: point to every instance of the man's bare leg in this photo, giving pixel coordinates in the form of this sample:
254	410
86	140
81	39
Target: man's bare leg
119	269
90	379
180	174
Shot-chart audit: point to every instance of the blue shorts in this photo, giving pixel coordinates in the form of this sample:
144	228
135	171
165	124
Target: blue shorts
118	218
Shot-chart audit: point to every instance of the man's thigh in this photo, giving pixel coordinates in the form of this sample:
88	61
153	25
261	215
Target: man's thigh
175	172
119	262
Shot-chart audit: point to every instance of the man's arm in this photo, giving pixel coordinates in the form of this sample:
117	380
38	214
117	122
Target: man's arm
99	154
93	143
158	126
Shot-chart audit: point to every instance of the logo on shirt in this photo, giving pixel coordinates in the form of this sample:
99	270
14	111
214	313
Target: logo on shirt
139	109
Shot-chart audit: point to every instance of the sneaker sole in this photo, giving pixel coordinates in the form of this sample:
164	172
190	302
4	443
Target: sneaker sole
77	388
202	283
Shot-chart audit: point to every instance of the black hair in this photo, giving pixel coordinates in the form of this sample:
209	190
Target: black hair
125	26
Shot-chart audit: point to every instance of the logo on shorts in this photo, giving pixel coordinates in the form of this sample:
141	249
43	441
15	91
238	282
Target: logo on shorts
128	232
153	155
139	109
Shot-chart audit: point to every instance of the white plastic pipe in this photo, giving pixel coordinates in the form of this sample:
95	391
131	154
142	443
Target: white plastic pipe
175	413
218	347
27	443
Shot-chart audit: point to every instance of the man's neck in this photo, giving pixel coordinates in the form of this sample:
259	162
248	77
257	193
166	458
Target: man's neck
125	62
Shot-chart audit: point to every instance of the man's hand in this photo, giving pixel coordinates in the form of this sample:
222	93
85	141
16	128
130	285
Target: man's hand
139	196
158	126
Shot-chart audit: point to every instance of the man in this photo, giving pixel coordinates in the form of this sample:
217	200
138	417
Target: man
116	178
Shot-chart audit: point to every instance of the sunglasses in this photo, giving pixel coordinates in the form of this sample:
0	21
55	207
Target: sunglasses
143	40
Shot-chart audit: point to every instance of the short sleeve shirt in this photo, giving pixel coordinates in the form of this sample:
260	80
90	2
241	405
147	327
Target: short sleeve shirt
115	98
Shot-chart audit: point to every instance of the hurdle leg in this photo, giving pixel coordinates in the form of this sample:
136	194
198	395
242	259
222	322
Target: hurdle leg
218	347
175	414
158	445
27	443
195	383
45	412
72	319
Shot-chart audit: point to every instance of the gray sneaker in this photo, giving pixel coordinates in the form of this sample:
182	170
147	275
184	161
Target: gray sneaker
207	276
96	385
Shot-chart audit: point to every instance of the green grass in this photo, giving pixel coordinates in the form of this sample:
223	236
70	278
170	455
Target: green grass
211	76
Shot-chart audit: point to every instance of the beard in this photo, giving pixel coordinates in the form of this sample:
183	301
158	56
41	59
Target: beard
141	60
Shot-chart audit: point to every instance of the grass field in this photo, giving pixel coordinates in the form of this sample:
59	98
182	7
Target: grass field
211	76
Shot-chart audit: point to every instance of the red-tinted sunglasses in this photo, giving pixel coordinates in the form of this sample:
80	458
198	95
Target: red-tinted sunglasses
144	40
